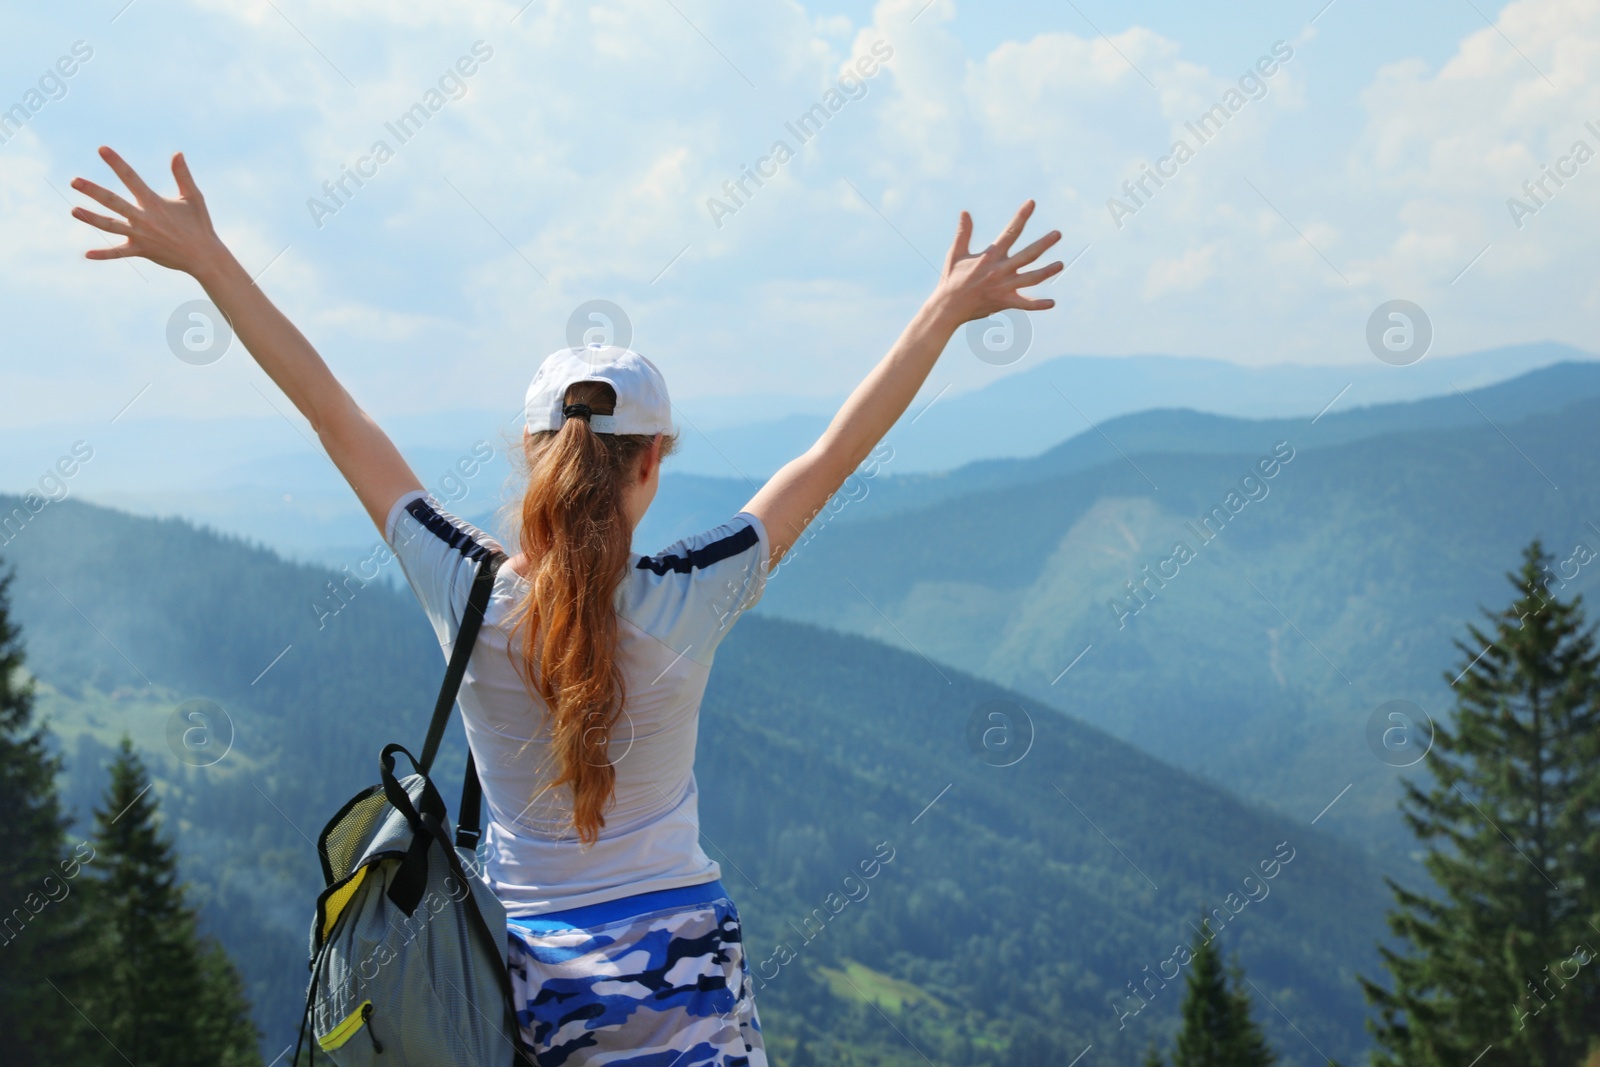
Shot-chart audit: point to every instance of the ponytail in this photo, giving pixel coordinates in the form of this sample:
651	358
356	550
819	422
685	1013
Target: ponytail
578	544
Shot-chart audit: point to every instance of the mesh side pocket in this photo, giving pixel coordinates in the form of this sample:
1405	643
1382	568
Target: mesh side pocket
348	835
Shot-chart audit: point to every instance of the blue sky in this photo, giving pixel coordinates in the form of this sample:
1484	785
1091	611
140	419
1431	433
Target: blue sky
578	160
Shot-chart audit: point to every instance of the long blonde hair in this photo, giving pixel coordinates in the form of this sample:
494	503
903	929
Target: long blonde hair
578	543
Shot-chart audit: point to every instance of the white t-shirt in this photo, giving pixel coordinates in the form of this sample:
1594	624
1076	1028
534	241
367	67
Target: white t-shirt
672	611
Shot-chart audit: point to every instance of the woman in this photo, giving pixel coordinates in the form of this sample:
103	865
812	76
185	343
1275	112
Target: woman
581	701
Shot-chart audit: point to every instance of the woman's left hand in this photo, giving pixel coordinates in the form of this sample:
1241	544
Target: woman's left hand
176	233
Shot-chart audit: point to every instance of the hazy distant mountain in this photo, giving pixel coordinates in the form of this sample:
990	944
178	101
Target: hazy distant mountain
1026	412
688	503
1047	890
263	479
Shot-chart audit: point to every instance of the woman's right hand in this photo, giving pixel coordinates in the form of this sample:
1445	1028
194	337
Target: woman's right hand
175	233
973	286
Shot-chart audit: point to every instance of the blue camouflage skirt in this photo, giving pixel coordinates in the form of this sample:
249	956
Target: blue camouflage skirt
652	980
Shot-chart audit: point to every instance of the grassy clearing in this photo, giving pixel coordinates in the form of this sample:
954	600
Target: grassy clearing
857	980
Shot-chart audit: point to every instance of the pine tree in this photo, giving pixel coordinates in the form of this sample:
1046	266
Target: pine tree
1503	954
43	942
1250	1048
167	995
226	1025
1217	1028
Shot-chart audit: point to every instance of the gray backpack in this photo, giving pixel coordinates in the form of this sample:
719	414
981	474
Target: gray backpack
408	947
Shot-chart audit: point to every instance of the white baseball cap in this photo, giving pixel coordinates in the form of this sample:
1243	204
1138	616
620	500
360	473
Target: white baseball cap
642	403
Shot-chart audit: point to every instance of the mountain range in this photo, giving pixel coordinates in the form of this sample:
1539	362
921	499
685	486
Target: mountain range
264	478
1026	895
1258	652
1188	624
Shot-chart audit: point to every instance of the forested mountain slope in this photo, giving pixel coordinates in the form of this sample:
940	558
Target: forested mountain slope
1017	903
1257	652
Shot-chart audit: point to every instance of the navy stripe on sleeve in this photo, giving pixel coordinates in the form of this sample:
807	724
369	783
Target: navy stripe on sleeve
447	531
705	556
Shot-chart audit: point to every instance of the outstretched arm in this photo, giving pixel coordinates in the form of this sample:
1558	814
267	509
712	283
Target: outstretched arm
177	233
974	286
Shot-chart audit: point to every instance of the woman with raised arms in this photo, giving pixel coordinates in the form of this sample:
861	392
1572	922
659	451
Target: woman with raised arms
582	696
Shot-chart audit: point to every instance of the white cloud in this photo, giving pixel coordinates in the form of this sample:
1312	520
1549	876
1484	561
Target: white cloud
1186	272
1456	144
592	138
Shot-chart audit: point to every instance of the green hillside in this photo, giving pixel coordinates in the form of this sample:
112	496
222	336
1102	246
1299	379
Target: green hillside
1259	661
1022	902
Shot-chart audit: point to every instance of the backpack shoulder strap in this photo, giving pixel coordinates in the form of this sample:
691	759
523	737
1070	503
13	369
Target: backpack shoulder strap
466	637
469	814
